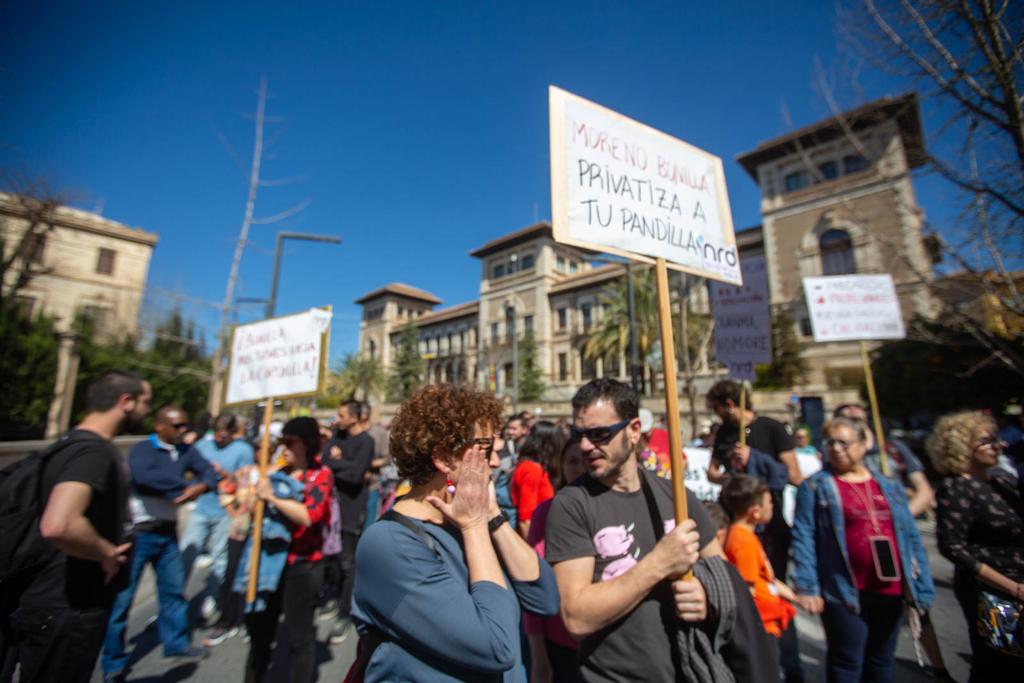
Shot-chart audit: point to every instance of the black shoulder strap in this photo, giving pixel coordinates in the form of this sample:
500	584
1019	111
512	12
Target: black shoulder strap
394	515
652	506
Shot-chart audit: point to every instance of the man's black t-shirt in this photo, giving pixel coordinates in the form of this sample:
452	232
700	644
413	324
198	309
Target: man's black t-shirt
349	458
78	583
763	433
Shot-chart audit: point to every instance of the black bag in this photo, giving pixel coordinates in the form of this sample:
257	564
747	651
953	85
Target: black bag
22	546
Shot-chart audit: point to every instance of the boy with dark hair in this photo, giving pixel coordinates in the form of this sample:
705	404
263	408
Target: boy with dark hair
749	503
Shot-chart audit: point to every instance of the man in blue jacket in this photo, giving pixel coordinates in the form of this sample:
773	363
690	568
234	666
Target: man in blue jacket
158	486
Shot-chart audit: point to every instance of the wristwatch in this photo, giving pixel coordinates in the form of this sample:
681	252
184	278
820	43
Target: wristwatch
495	522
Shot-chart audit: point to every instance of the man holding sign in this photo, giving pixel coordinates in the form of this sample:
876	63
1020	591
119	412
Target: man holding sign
616	570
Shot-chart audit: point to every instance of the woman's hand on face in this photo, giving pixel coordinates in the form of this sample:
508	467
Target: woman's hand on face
470	504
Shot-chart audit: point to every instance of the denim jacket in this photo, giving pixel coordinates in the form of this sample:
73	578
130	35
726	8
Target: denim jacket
819	543
276	538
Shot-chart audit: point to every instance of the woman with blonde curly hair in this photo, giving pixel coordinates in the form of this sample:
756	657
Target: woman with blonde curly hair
441	577
980	524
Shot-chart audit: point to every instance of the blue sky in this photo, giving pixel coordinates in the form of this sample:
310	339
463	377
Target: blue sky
418	129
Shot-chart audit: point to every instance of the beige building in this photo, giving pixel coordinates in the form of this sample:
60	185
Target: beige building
836	198
86	264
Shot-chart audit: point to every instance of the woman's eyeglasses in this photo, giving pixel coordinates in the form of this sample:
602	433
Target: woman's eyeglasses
988	441
487	444
598	435
838	443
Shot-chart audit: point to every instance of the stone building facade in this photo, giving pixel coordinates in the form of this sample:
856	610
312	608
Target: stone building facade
836	198
88	265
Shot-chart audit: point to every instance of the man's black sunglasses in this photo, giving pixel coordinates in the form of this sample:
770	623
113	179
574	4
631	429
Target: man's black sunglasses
598	435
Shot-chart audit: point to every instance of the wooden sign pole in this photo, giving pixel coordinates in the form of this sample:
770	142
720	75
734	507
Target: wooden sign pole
257	517
743	413
875	414
668	358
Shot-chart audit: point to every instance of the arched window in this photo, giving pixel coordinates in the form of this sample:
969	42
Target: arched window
836	253
372	349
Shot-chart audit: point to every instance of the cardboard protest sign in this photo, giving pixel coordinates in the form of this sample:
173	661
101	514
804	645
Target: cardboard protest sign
853	308
281	357
622	187
697	462
743	335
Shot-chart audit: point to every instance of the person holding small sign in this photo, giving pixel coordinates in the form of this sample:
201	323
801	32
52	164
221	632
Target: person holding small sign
857	551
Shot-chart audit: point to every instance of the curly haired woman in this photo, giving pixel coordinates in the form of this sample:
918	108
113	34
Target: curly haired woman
440	579
980	524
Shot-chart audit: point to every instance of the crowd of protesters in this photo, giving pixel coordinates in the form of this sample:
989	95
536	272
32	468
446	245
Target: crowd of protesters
463	545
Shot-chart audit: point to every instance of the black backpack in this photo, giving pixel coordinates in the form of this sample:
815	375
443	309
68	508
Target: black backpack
22	546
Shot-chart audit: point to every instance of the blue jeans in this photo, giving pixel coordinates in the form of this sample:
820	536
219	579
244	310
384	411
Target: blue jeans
863	646
372	506
204	531
161	550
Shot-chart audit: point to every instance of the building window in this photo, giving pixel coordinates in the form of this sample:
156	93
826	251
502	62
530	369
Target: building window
588	316
510	323
560	264
611	365
854	163
836	253
509	382
499	271
805	327
25	305
35	246
563	367
494	333
829	170
526	262
572	267
105	261
98	316
796	180
527	323
588	368
563	318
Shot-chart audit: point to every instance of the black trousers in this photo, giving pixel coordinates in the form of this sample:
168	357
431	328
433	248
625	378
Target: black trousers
54	644
231	603
987	664
296	595
347	579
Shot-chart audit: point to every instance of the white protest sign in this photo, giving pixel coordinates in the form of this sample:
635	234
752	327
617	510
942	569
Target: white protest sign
853	307
697	462
280	357
622	187
743	335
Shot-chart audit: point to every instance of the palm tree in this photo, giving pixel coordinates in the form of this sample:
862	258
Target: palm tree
610	335
357	376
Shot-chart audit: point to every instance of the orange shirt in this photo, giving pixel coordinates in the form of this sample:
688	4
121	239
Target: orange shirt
744	550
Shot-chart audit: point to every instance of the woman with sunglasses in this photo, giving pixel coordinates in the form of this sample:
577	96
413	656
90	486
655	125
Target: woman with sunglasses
298	587
980	525
441	578
857	552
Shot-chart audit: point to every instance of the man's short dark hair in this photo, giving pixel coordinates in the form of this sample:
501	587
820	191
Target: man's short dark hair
625	400
726	390
353	407
226	421
103	394
364	410
740	493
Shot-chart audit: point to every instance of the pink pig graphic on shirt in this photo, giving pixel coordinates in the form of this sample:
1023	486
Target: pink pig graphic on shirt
618	567
613	541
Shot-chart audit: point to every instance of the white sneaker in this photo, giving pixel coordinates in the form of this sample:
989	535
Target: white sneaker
208	610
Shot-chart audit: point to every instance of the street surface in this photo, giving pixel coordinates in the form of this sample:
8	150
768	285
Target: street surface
226	661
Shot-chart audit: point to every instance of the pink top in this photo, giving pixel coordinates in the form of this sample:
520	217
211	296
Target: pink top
552	627
861	502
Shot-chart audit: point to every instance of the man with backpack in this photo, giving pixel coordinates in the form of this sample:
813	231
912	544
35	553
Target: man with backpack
57	594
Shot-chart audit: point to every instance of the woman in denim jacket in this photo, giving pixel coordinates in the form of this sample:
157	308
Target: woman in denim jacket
857	553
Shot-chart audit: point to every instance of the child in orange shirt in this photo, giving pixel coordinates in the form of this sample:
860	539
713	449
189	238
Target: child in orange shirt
749	503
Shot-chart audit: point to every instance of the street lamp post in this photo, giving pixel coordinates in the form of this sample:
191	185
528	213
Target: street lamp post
275	278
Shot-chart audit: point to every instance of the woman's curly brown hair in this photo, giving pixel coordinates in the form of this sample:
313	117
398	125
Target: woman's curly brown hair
949	444
439	416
